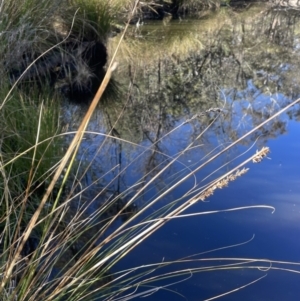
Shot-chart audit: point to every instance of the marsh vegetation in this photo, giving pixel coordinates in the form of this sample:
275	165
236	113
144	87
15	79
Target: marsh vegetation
84	183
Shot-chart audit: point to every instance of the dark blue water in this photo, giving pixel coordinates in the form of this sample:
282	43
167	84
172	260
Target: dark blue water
253	251
273	236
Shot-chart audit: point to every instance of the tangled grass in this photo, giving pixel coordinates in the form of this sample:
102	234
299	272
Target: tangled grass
43	221
54	269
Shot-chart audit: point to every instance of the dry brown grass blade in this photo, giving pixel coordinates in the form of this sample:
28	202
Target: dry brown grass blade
71	150
76	140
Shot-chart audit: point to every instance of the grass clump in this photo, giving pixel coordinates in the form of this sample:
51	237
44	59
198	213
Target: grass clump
58	44
29	150
104	16
26	122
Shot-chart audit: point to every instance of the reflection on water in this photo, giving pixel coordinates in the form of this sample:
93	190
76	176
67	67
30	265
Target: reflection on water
190	88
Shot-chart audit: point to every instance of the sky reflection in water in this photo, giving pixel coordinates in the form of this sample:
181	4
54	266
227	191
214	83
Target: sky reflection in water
274	182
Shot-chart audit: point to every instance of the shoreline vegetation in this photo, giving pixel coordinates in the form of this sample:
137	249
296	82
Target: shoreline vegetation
52	247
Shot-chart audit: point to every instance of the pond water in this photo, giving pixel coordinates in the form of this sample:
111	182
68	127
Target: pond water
188	89
275	182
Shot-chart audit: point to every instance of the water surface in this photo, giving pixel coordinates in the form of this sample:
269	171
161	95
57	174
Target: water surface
188	89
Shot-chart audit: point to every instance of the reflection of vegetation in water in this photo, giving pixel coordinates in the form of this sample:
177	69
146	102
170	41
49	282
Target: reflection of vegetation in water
233	60
202	71
82	234
228	62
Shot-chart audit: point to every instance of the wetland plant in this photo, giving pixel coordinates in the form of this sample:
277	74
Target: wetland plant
52	247
59	251
53	44
55	250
